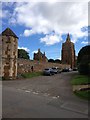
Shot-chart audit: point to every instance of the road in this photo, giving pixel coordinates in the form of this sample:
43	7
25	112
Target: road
42	97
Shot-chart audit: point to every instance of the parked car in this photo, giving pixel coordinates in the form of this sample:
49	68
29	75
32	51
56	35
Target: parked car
75	69
56	70
70	69
65	70
48	71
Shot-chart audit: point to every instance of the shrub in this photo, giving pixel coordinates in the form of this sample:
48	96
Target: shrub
85	51
83	60
83	68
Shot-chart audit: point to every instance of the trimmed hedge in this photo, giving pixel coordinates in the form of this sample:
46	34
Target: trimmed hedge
84	68
83	60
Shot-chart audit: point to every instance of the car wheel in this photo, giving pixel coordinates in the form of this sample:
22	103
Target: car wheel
50	74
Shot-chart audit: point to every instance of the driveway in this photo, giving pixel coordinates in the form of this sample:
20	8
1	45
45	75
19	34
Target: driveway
43	97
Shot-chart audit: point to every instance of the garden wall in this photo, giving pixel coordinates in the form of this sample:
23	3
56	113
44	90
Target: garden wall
25	65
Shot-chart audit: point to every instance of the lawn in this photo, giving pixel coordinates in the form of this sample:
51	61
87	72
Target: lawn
80	79
83	94
30	75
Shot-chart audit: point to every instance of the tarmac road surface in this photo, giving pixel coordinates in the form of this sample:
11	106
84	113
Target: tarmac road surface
42	97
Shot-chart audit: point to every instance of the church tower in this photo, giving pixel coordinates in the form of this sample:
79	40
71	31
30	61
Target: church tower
9	46
68	52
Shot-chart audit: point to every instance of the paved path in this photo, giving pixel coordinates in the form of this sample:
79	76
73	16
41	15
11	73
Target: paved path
43	97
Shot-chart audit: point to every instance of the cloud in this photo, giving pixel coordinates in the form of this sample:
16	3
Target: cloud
45	17
35	51
25	48
88	33
85	42
50	1
0	10
89	13
28	32
3	13
51	39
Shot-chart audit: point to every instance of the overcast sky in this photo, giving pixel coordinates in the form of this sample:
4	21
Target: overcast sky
45	25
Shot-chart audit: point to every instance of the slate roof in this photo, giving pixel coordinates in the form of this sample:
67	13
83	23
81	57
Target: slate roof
8	32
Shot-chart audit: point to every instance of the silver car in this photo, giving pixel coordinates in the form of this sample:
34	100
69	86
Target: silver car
56	70
48	71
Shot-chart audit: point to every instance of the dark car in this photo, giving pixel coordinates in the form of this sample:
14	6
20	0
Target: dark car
48	71
65	70
75	69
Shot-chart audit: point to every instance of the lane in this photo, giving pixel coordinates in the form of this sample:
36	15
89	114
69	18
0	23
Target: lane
19	104
44	96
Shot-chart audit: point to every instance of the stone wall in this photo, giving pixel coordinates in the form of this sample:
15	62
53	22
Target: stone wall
40	56
0	56
9	57
25	65
68	52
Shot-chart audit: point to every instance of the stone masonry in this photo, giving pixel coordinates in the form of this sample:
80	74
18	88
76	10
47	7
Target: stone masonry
40	56
10	65
9	46
24	65
68	52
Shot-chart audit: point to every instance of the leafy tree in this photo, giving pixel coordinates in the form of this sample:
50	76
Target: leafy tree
58	61
23	54
85	51
51	60
83	60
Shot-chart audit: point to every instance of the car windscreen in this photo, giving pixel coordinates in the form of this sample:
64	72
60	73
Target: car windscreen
46	69
54	68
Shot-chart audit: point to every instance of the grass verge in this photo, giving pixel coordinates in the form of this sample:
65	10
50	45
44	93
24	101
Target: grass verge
83	94
30	75
80	80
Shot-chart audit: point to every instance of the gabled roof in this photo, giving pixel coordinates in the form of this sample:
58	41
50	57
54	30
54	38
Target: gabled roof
8	32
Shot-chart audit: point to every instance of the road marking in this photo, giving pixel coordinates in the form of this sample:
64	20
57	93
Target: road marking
46	94
27	91
35	93
55	97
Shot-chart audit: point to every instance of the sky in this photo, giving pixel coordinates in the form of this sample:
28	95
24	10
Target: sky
45	24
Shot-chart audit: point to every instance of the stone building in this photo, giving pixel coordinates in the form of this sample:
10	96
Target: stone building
68	52
9	47
40	56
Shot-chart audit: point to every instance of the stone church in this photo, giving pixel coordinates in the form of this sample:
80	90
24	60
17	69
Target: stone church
8	54
68	52
40	56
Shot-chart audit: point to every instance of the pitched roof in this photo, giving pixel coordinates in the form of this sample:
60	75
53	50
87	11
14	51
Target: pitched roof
8	32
